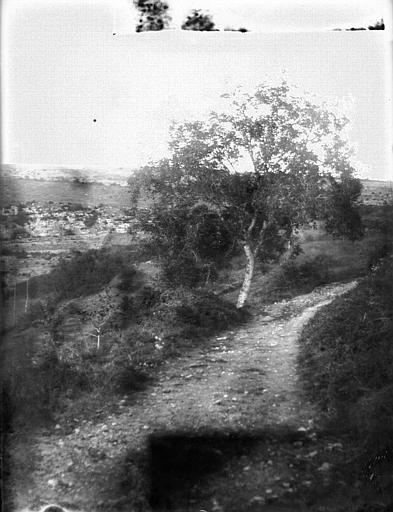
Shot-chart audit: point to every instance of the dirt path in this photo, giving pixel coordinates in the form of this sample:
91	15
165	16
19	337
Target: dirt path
243	382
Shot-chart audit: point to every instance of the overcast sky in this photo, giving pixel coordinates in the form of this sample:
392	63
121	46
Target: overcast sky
63	68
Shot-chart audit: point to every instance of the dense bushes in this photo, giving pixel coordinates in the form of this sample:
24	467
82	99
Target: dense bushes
85	273
347	357
305	275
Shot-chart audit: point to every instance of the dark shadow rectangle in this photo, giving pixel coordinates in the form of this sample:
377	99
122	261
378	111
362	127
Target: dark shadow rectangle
179	464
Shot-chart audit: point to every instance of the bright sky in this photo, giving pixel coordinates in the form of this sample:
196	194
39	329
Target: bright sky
63	68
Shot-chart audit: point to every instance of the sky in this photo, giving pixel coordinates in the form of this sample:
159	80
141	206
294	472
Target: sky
74	94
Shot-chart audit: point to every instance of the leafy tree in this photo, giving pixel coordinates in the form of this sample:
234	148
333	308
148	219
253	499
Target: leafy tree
153	15
198	20
378	25
248	177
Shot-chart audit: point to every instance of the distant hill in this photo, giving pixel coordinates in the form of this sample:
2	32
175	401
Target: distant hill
374	191
105	176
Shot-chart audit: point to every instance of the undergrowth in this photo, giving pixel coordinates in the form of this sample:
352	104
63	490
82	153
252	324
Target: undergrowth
51	364
347	359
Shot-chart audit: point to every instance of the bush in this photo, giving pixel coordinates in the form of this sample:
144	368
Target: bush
34	377
84	274
305	275
182	272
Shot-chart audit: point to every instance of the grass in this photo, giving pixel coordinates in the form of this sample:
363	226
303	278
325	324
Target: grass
347	360
323	259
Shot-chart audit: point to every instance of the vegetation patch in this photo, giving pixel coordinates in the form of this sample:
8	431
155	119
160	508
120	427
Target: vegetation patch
347	359
97	326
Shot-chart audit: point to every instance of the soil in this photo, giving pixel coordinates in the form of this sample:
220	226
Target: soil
226	427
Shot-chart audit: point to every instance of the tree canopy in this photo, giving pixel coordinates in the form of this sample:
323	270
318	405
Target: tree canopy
198	20
248	177
153	15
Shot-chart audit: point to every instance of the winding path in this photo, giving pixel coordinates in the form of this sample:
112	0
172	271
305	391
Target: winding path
244	380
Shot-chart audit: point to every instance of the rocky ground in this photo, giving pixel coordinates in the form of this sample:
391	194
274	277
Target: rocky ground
225	428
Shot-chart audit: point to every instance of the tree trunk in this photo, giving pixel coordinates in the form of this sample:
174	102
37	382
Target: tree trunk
14	314
247	276
27	295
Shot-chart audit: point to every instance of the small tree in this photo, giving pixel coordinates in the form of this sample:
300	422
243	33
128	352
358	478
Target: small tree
296	165
198	20
153	15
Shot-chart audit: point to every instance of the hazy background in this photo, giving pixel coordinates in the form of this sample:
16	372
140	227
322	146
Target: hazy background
63	68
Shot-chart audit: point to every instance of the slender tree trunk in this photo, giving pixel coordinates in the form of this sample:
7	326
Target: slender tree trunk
27	295
247	276
14	312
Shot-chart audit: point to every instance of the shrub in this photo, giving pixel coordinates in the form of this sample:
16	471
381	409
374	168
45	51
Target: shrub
84	274
34	376
182	272
304	275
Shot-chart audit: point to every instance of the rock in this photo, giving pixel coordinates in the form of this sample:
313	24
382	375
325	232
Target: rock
326	466
247	468
53	482
313	454
257	500
57	427
286	485
268	491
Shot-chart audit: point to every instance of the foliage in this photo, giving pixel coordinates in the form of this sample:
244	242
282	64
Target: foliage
91	219
153	15
342	219
298	170
306	275
85	273
198	20
378	25
347	356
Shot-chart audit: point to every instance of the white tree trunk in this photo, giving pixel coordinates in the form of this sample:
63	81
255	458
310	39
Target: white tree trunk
247	276
14	315
27	295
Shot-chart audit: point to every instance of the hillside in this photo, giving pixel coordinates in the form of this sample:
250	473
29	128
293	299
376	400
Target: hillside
105	359
376	192
105	176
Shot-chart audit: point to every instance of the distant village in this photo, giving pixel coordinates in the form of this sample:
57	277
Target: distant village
57	219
